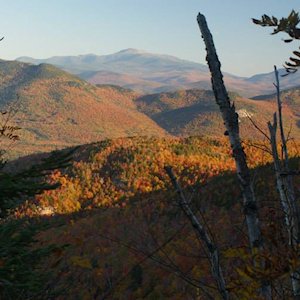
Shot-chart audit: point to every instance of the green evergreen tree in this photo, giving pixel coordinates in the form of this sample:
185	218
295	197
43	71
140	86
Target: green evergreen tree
16	187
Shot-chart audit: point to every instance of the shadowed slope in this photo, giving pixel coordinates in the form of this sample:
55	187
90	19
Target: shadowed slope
194	112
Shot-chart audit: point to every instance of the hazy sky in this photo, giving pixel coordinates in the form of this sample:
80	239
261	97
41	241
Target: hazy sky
44	28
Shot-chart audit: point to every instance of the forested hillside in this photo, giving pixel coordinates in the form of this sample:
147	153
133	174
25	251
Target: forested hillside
56	109
119	233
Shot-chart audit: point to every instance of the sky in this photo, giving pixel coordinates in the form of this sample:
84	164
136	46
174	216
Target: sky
45	28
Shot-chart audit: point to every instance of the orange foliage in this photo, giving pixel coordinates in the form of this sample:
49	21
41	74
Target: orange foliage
123	208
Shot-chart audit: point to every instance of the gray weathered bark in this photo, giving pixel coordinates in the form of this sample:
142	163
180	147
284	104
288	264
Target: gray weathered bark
203	234
230	118
285	186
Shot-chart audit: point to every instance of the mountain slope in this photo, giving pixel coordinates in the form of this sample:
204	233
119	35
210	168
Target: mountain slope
153	73
56	109
194	112
124	80
289	97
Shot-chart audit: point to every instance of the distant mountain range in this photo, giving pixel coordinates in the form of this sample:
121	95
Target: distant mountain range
152	73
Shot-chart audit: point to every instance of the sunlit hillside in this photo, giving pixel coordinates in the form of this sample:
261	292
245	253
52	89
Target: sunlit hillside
55	109
119	233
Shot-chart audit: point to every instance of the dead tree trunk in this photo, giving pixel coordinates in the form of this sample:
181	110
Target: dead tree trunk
285	187
203	234
230	118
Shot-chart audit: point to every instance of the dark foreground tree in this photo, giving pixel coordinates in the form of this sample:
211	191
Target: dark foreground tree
16	187
18	277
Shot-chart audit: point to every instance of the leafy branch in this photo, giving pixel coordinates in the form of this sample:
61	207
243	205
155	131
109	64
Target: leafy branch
288	25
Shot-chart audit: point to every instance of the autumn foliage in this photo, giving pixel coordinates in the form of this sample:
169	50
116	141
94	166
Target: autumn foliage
126	237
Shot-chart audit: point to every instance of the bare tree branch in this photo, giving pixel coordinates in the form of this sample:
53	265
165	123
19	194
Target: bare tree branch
203	234
230	118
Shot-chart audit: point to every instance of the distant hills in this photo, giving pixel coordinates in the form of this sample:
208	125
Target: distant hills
153	73
57	109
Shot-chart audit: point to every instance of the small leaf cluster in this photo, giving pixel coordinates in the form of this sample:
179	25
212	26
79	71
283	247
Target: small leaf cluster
289	25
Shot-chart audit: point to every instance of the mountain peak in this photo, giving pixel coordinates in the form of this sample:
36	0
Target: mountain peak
131	51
